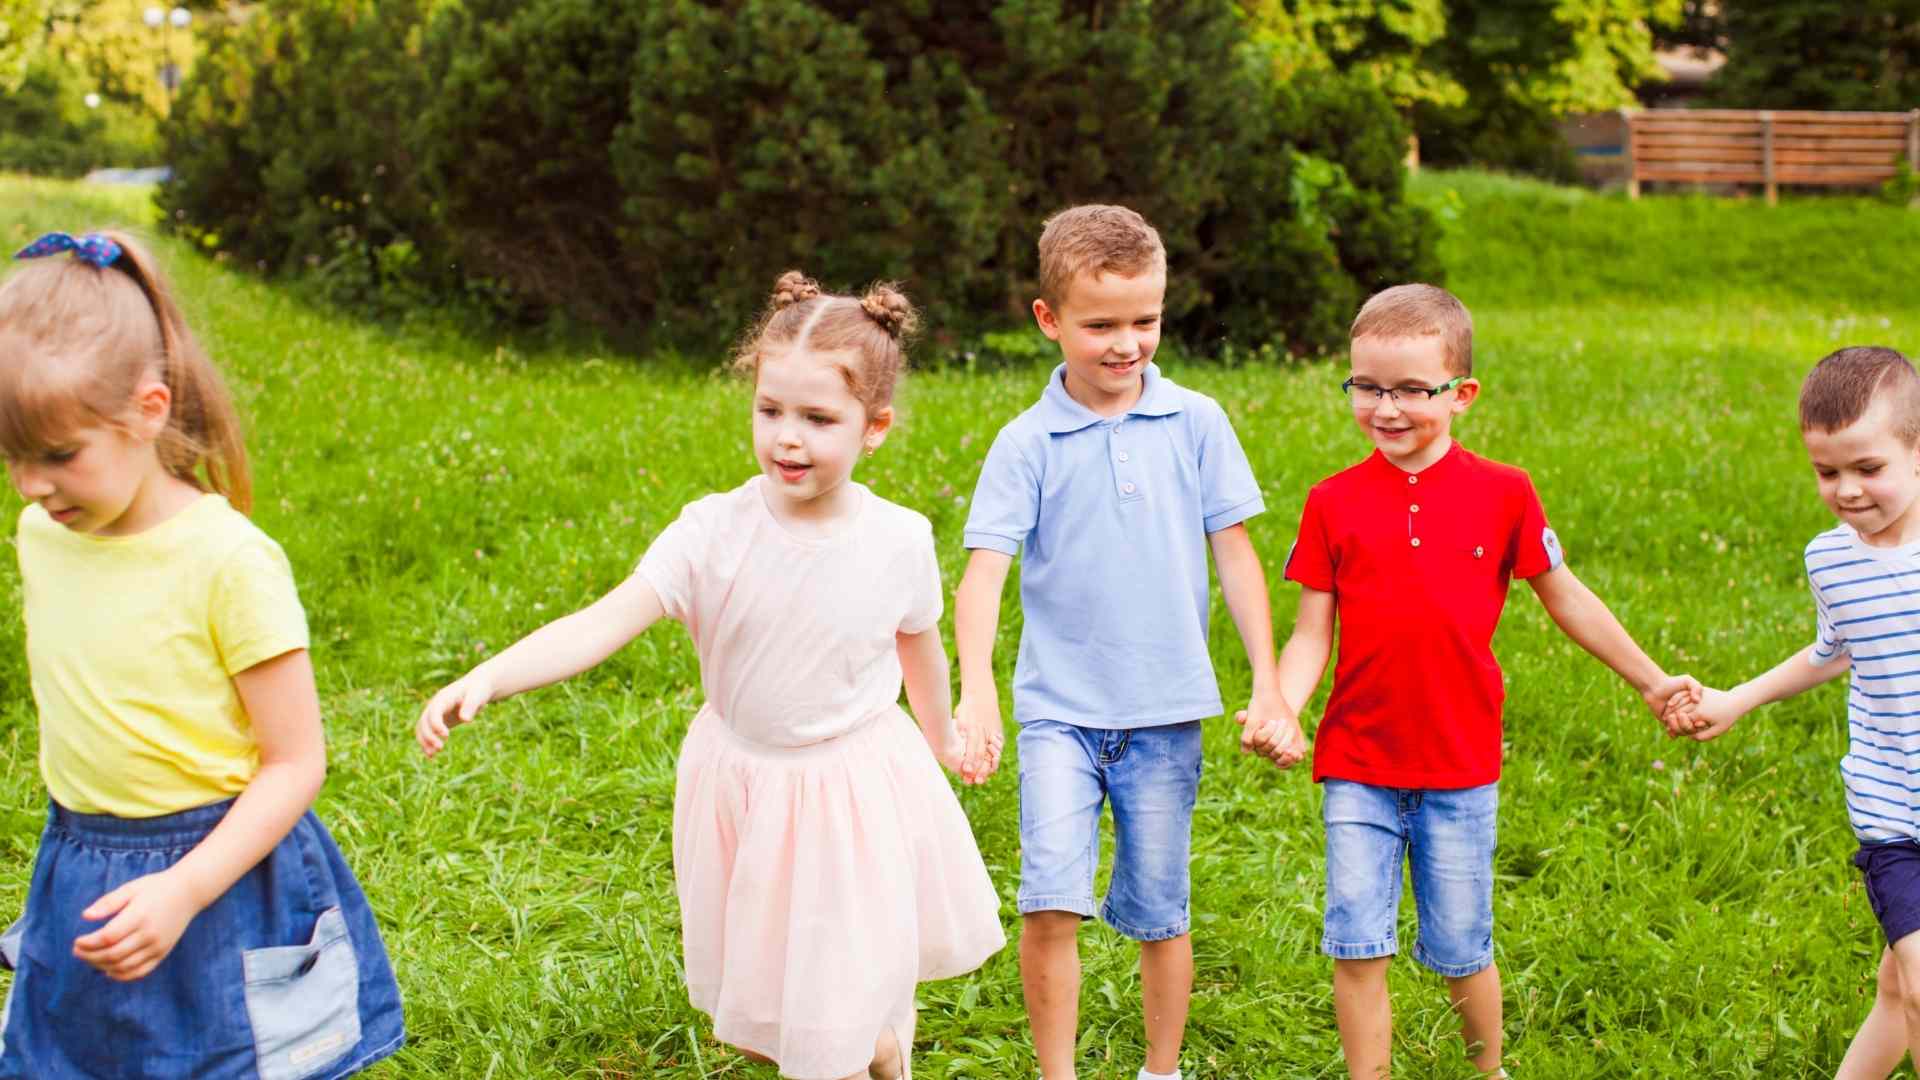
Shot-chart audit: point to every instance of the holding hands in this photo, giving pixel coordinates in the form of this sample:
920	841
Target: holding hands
1708	716
1270	729
974	754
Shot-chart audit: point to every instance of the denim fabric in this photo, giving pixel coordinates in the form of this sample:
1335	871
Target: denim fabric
1447	836
1152	775
283	978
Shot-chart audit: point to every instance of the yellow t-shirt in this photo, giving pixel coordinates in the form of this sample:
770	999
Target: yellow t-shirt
132	644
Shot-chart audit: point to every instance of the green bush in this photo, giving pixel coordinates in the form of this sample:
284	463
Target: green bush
651	167
47	128
293	142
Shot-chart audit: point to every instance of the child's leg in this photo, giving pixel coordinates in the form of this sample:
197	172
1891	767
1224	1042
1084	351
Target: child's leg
1153	778
1892	872
1476	998
1366	845
1061	794
1882	1041
1166	987
1451	852
1364	1013
1050	975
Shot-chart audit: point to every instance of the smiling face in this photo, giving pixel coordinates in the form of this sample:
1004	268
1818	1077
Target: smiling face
1414	431
809	430
1868	476
1108	327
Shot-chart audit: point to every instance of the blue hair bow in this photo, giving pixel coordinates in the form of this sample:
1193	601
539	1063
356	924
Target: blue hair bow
91	248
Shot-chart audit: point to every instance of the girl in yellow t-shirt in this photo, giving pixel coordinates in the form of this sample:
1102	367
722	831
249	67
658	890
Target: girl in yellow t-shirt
188	915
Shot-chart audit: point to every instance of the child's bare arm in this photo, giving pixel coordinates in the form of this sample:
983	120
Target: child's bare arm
976	622
1717	710
1266	720
1583	617
561	649
144	918
923	668
1303	660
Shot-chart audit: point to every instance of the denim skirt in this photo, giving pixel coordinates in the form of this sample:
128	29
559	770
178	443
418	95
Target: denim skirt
282	978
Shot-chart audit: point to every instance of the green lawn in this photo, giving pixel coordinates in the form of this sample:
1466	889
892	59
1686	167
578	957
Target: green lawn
1663	909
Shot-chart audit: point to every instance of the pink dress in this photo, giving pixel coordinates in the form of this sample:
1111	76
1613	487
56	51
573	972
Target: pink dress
823	864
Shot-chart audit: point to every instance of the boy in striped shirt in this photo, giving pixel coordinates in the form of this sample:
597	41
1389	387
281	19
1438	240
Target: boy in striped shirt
1860	419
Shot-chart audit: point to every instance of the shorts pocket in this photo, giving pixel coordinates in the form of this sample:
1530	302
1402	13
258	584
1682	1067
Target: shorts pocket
304	1001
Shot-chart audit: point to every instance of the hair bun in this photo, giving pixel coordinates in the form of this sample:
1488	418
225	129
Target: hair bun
794	287
890	308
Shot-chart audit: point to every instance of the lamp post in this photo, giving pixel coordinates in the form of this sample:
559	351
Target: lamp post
179	18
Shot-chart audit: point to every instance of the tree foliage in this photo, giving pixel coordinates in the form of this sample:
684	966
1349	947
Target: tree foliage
1483	80
1815	54
652	166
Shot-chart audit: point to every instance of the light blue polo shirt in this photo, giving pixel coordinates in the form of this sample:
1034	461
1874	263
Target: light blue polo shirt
1110	516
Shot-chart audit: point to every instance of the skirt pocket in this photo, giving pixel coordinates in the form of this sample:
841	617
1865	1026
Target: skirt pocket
304	1001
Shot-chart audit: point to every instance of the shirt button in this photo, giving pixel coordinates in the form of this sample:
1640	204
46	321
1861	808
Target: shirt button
1413	479
1123	455
1479	551
1127	488
1414	509
1416	541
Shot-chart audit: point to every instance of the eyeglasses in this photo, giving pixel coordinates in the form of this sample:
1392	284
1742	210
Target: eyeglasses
1369	394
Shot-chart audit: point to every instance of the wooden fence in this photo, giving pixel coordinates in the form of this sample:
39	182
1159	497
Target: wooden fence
1769	148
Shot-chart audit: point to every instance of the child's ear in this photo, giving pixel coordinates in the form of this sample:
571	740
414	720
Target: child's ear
877	427
1464	394
1048	319
152	408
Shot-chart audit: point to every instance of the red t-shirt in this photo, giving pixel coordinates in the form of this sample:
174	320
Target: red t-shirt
1418	564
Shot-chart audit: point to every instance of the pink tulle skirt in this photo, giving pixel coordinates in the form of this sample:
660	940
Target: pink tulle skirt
818	884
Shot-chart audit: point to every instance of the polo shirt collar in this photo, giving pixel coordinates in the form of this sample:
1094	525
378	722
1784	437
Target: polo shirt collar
1449	462
1063	415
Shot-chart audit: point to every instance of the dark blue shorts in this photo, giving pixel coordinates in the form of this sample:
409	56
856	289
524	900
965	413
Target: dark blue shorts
282	978
1893	885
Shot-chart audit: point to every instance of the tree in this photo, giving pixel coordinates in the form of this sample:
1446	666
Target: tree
23	29
1818	54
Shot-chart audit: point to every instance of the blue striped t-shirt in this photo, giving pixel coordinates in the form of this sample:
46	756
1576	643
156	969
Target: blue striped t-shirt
1868	600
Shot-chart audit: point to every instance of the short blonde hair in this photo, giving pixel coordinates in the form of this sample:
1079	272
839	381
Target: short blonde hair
1095	239
1410	311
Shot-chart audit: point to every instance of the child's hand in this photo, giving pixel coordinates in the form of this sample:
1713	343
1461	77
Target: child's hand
148	916
455	704
981	734
1671	700
1270	729
1714	716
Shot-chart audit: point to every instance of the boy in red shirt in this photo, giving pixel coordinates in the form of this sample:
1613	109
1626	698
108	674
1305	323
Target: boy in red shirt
1413	549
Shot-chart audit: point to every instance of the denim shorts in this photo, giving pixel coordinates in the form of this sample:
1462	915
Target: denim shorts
283	977
1893	885
1152	776
1447	837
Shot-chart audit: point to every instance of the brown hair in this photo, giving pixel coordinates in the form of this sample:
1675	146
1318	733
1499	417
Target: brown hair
1842	386
76	341
1410	311
1099	240
875	328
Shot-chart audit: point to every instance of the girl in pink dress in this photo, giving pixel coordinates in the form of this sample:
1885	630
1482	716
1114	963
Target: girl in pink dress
823	864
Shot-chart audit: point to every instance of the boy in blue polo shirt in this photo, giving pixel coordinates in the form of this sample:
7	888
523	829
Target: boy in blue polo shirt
1111	488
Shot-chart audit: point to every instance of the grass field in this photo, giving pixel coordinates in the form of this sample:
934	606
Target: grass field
1662	910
